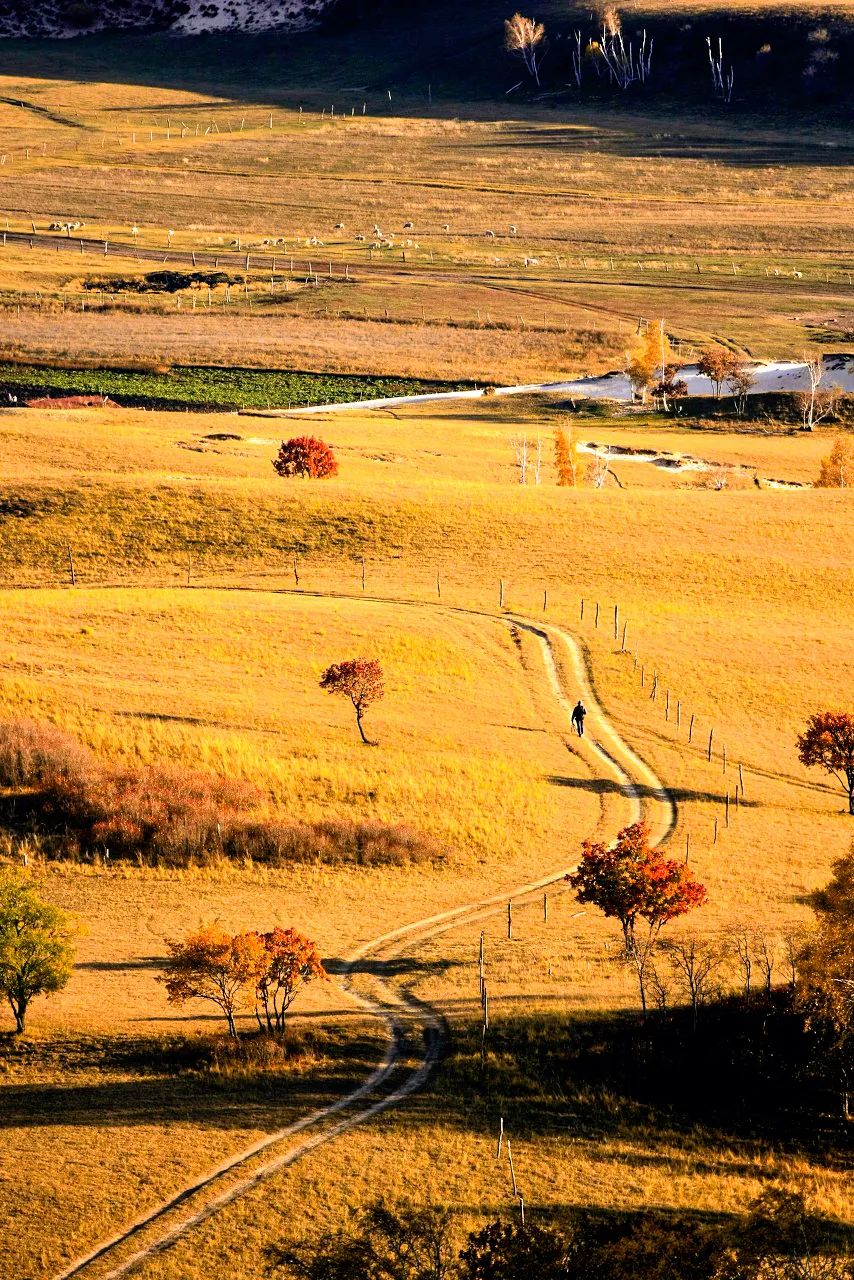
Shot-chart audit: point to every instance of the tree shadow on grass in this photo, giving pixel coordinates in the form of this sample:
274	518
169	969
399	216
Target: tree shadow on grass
396	967
202	1081
608	786
747	1081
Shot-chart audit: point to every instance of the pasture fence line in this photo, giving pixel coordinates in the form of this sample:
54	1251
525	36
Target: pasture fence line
328	579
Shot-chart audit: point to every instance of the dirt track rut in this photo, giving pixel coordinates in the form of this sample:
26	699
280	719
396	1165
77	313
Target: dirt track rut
416	1033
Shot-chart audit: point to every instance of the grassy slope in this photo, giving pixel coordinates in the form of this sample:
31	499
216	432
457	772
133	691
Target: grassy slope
724	595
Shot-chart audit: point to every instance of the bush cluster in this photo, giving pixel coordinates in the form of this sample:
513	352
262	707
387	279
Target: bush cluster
170	816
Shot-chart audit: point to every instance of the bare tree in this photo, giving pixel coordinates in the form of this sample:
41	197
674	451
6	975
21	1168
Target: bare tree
694	960
525	39
813	407
723	76
626	63
765	956
520	451
742	945
740	381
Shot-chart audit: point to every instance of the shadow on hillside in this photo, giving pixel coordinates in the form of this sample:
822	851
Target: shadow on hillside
749	1080
199	1081
460	56
608	786
396	967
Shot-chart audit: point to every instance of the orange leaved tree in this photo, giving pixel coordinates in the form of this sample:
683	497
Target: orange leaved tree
631	882
305	456
828	741
212	965
289	961
360	680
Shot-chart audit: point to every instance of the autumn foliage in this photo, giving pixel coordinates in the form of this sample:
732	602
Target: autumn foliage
360	680
305	456
631	881
289	961
76	805
566	457
230	970
828	742
837	469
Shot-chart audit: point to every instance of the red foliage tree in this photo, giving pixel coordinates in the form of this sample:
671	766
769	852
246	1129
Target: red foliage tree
212	965
360	680
289	961
631	881
307	457
829	742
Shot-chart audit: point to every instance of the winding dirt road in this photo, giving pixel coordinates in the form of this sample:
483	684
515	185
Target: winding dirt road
416	1033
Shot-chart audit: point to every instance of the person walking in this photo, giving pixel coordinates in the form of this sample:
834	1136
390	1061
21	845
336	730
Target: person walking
579	711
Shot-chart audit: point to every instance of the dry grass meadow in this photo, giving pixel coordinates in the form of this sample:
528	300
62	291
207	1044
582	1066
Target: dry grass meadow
724	596
210	595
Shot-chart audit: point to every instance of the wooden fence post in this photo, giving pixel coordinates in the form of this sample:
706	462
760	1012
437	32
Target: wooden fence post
545	908
616	622
711	736
363	573
596	621
741	780
510	921
71	565
501	593
691	729
296	571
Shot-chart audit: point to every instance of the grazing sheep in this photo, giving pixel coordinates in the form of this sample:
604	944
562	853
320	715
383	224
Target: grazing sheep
339	226
446	226
409	226
377	230
358	237
532	262
490	235
797	275
512	228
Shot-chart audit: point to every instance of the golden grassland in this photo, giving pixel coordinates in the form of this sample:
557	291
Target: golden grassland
740	600
618	210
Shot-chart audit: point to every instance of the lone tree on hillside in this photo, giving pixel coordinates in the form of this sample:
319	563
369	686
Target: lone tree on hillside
837	469
828	741
360	680
525	39
631	881
36	952
305	456
212	965
288	961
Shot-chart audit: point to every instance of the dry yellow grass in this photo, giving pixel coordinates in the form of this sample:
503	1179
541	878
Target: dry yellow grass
724	596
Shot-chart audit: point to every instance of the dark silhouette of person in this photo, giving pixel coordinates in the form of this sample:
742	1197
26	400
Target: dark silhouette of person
579	711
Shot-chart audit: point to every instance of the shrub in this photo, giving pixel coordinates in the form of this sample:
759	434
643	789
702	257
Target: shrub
171	816
34	753
305	456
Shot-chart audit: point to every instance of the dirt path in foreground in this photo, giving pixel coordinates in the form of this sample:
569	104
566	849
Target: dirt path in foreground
416	1032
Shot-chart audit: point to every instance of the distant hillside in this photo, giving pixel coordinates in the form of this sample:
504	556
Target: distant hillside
772	53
